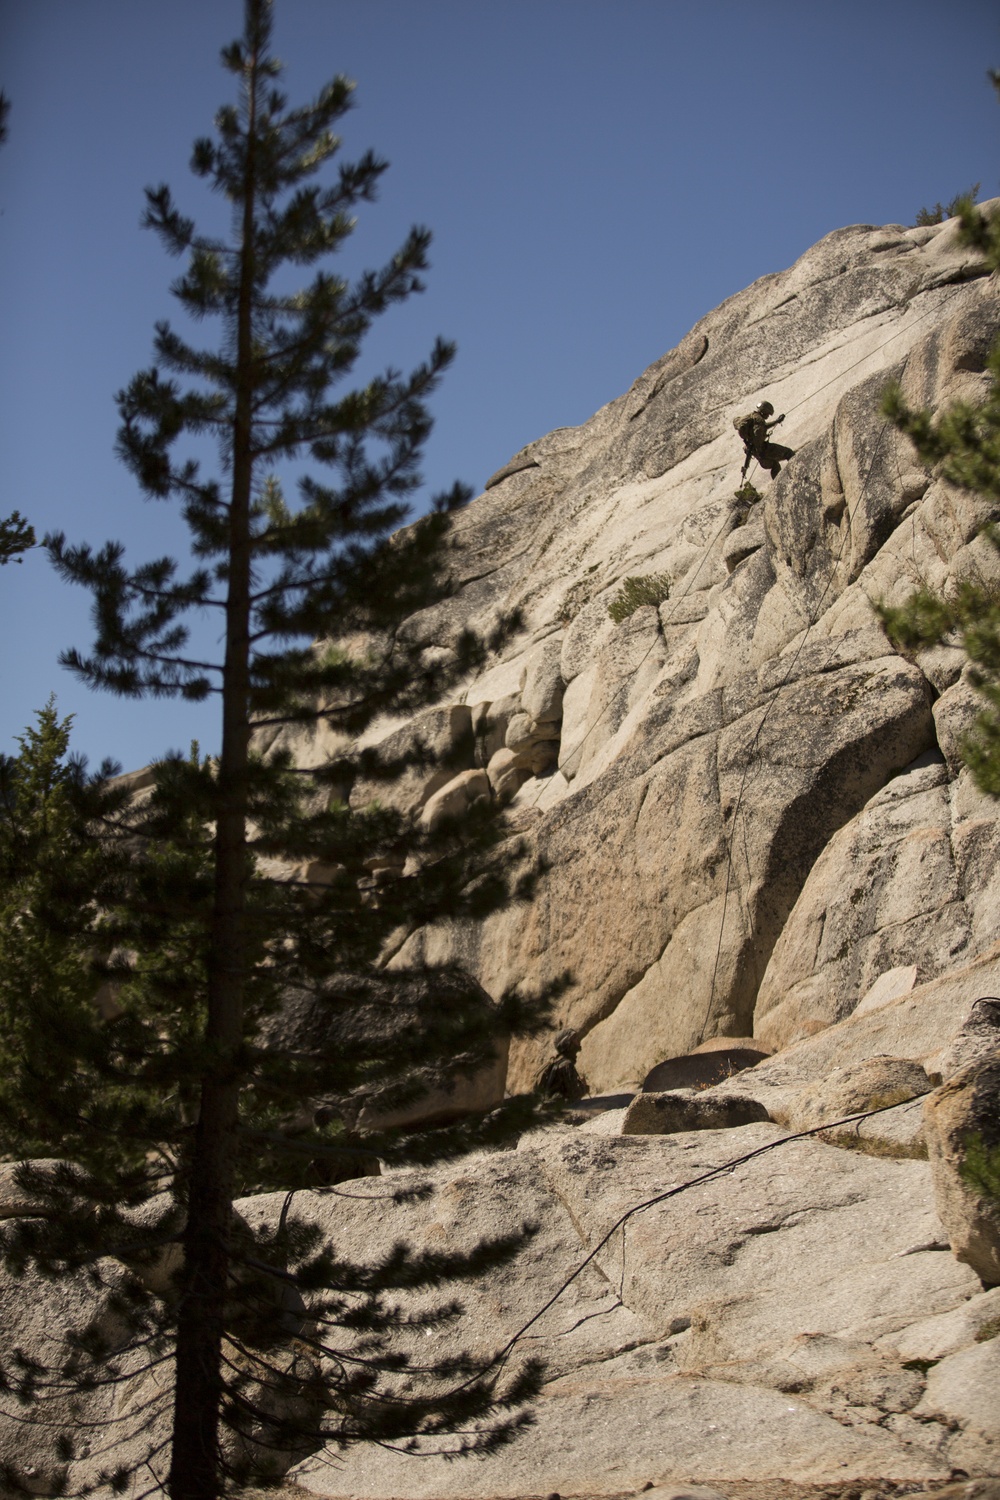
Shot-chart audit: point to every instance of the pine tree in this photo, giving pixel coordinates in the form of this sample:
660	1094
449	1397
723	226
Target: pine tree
235	888
16	536
48	864
950	210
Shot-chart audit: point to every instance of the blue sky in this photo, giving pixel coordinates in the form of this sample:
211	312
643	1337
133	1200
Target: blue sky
598	174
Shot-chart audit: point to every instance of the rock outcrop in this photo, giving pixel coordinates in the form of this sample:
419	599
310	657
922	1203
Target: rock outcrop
962	1128
748	807
776	891
755	833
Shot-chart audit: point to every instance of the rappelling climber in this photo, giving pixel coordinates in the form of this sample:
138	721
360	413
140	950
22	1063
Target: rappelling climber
755	430
559	1078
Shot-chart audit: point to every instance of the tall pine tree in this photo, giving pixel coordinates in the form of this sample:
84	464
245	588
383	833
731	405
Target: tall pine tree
233	892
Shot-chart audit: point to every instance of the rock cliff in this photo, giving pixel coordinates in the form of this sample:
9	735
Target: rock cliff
749	807
752	822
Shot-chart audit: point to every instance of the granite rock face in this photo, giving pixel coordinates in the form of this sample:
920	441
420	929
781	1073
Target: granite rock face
753	828
747	806
962	1127
744	1311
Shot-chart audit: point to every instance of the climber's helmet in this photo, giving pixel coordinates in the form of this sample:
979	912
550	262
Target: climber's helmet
567	1043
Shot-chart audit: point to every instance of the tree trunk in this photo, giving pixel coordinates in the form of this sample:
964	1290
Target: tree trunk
195	1472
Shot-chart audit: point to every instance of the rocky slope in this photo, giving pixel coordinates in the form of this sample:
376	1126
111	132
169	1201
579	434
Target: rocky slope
749	806
753	822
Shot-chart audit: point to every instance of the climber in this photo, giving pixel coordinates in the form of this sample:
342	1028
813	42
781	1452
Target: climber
755	430
559	1078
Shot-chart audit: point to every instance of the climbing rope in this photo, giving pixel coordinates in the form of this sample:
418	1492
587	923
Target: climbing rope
724	1169
767	709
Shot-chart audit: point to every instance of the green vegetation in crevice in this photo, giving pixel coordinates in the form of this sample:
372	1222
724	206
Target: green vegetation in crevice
652	588
962	444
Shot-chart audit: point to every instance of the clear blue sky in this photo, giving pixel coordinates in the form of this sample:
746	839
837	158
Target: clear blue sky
598	174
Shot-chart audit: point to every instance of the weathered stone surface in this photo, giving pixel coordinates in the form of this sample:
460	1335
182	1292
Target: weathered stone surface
542	691
716	766
443	736
683	1492
731	769
727	766
475	1094
975	1039
729	1043
756	1299
750	820
955	714
963	1389
665	1114
873	1084
476	1198
888	986
972	1489
37	1316
804	1238
935	1338
963	1112
455	797
918	1026
363	1016
17	1202
742	542
605	1432
708	1063
884	893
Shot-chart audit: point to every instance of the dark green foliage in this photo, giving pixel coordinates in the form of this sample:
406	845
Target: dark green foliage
938	214
747	494
972	618
963	444
653	588
980	1169
232	890
50	867
16	536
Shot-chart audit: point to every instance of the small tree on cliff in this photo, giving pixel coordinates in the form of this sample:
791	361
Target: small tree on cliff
193	1092
963	443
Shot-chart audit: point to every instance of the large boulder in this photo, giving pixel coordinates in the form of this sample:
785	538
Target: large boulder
710	1063
962	1128
962	1390
878	1083
667	1114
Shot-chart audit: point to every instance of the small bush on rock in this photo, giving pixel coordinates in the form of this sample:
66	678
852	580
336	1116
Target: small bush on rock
654	588
938	214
